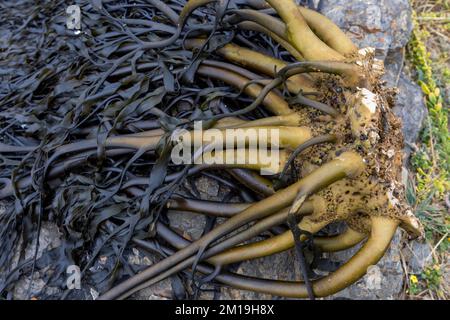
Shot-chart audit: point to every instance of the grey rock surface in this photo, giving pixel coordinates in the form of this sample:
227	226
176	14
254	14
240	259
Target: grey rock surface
161	290
383	281
49	238
418	255
410	106
382	24
282	266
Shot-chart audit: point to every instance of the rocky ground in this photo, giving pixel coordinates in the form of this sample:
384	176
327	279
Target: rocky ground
385	25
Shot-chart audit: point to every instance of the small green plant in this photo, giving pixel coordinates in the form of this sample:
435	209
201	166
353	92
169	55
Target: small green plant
427	193
429	279
432	214
432	276
431	161
414	286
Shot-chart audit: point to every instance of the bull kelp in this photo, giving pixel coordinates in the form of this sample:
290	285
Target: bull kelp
89	115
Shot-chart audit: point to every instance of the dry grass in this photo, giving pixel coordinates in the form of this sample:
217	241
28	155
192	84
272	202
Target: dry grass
433	17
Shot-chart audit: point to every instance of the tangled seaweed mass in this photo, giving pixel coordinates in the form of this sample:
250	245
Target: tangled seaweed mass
87	118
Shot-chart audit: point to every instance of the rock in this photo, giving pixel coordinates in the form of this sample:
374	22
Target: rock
374	277
383	281
189	224
49	238
382	24
280	266
208	186
410	106
24	290
160	291
418	255
23	285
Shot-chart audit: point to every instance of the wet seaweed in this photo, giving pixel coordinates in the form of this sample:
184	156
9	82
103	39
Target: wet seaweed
112	77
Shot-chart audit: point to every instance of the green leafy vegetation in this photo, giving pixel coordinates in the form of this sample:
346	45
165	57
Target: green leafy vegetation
428	193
